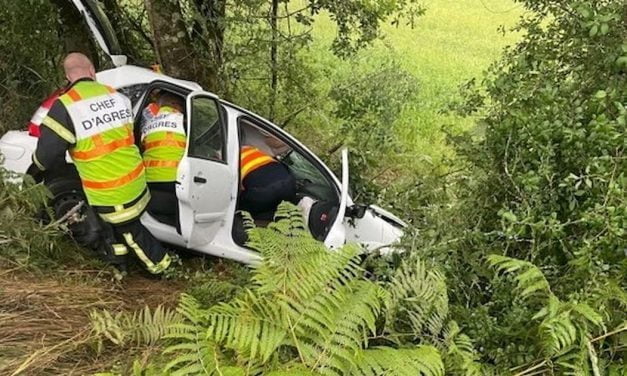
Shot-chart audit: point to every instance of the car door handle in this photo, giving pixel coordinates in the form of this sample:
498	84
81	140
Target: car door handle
198	179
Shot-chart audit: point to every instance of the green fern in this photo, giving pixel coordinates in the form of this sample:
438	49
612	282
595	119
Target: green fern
529	278
418	300
417	361
564	328
460	357
143	327
309	311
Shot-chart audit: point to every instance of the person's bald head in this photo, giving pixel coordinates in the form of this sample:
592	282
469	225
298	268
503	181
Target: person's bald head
77	66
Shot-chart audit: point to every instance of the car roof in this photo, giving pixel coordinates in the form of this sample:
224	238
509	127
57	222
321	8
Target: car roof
128	75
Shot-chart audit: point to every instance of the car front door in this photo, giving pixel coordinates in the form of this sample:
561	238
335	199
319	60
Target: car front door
204	178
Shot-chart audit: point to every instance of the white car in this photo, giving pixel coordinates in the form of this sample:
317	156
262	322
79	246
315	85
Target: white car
207	183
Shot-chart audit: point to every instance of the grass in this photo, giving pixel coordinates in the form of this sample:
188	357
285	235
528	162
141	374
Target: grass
453	42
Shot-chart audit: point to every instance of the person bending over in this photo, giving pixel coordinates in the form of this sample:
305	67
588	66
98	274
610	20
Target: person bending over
163	141
265	182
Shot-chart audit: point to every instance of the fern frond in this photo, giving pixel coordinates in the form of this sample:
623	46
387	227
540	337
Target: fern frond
143	327
335	326
193	352
529	278
421	360
252	325
460	356
418	300
296	265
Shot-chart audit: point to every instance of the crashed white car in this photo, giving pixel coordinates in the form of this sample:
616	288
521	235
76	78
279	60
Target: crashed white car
207	183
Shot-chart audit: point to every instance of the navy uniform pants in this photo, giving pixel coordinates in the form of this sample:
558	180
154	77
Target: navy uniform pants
265	188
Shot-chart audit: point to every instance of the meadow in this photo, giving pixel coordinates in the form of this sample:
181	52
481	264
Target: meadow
453	42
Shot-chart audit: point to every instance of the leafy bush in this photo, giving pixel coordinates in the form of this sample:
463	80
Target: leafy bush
545	184
23	239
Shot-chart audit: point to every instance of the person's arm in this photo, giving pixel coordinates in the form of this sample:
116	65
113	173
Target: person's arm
57	135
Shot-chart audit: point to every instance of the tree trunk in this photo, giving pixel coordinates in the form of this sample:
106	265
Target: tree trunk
211	32
173	46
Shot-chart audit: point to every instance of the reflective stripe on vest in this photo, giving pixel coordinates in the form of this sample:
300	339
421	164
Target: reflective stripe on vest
169	140
104	152
171	164
115	183
101	148
122	214
251	159
164	141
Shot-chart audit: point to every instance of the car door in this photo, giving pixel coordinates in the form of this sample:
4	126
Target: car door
101	29
337	234
204	178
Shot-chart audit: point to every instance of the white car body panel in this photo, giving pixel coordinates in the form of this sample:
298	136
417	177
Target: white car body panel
129	75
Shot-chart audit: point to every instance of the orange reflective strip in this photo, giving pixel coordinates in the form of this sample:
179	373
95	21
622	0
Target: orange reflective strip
173	143
161	163
74	95
117	182
102	149
256	164
251	156
168	141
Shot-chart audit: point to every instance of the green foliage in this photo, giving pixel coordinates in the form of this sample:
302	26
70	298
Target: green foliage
25	240
418	302
564	329
309	311
143	327
368	106
28	69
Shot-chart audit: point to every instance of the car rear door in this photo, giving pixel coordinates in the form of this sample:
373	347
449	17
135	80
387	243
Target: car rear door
205	180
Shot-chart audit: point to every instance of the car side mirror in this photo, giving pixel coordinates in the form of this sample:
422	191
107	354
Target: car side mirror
356	211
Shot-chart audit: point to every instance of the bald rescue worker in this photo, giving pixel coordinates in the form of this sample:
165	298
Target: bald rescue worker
95	124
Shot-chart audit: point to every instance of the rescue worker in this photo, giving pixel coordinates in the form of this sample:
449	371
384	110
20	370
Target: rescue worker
163	142
94	123
265	182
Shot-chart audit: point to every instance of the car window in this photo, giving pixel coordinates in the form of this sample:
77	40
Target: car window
208	137
310	180
133	92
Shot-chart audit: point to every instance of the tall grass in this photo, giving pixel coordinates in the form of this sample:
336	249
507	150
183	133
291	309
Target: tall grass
453	42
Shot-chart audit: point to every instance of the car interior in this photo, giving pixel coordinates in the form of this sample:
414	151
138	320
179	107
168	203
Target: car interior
316	194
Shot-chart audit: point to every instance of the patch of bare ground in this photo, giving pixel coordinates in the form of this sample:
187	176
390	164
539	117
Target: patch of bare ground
44	319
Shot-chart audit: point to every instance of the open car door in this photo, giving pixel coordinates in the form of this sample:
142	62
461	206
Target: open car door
337	234
204	179
101	29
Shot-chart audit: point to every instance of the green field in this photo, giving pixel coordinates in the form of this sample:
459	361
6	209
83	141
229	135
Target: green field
453	42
